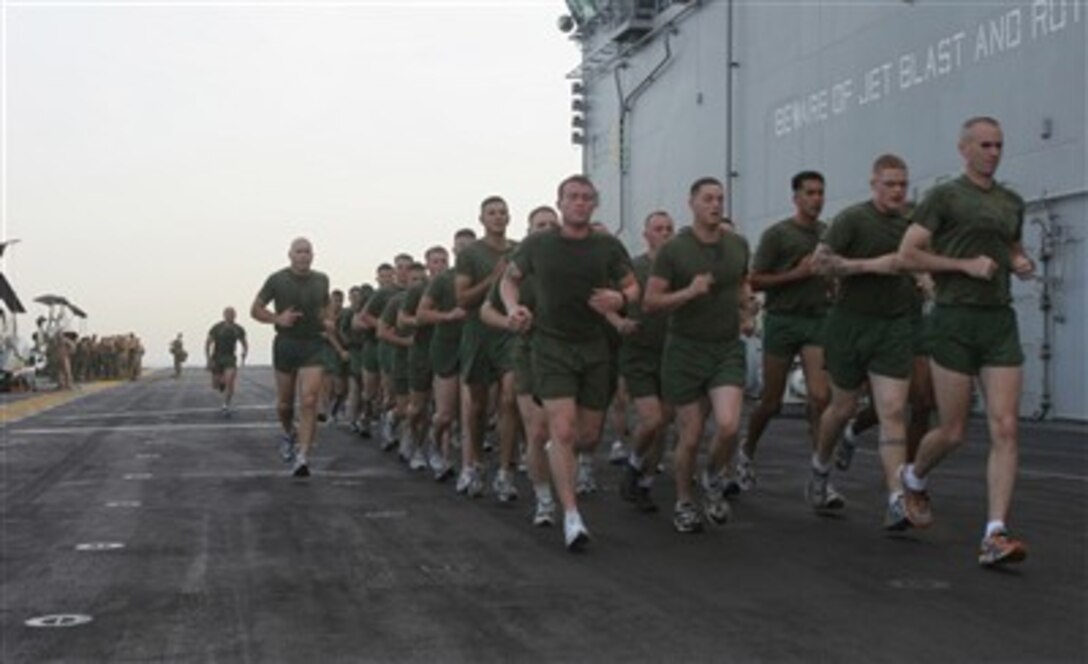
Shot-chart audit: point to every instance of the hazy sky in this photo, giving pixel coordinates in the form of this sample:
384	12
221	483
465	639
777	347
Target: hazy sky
159	157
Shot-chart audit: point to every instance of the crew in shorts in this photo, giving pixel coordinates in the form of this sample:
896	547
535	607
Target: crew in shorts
368	323
869	332
534	421
795	307
438	307
420	374
700	278
484	357
640	367
573	268
221	352
300	295
967	235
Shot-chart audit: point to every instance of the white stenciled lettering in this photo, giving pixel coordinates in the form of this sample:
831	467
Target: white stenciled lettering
1051	16
840	96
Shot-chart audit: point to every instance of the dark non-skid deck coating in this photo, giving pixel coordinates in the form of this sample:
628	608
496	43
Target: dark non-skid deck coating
226	559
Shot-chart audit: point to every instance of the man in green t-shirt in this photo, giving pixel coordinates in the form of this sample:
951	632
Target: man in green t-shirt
967	235
700	277
796	302
640	367
574	270
484	360
334	387
353	342
367	324
534	420
420	373
398	339
220	352
301	317
373	311
438	307
869	332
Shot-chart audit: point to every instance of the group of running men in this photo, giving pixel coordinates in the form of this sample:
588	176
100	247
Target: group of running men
546	330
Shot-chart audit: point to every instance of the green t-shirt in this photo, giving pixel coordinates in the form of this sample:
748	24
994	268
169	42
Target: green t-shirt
477	262
410	306
651	329
389	313
862	231
225	337
353	338
781	248
968	221
566	272
309	293
441	291
714	316
375	306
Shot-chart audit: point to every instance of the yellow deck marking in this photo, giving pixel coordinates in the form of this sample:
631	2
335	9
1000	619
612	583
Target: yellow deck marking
23	408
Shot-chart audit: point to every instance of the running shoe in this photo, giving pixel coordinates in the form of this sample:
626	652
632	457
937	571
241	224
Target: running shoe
618	453
584	482
916	503
686	518
575	533
746	473
821	495
419	460
504	488
895	518
288	447
544	513
1000	548
715	505
844	452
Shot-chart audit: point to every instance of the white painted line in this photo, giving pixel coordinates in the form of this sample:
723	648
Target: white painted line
124	503
385	514
1043	475
59	620
150	427
138	476
919	584
99	546
152	413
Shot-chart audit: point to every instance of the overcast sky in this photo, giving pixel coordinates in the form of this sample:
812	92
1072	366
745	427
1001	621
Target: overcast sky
160	157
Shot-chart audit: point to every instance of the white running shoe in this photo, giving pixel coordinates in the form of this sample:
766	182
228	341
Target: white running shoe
618	454
575	533
584	483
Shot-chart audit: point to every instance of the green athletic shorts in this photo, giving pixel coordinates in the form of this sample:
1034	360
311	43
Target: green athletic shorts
966	338
289	354
385	357
571	369
485	353
398	367
523	366
420	376
356	362
784	335
220	363
641	369
445	358
921	326
370	356
860	344
691	368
